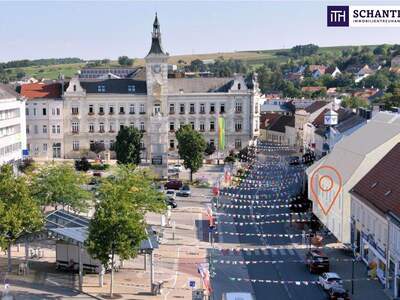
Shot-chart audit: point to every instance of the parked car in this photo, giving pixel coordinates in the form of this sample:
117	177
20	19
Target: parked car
171	194
173	185
317	261
185	191
338	293
294	161
178	167
171	202
329	280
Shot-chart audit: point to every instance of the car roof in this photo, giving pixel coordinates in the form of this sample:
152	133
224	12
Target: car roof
331	275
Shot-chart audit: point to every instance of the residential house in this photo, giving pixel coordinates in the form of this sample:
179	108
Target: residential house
352	157
362	73
275	128
375	215
333	71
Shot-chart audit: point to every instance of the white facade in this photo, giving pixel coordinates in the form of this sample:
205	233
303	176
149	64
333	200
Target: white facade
352	157
12	127
44	128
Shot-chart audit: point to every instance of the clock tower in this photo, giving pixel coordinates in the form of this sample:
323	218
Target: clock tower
157	90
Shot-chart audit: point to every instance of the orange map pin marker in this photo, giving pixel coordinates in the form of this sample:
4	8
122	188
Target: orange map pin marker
326	184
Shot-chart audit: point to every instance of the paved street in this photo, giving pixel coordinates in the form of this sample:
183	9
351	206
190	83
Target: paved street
259	250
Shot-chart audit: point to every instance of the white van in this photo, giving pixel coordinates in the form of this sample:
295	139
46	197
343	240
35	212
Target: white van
238	296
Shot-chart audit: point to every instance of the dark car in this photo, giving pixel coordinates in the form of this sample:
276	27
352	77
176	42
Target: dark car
294	161
317	261
173	185
338	293
171	202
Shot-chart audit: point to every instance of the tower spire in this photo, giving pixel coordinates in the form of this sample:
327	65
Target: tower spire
156	47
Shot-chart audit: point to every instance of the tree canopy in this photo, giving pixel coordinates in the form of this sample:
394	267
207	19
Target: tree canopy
60	185
125	61
127	145
191	147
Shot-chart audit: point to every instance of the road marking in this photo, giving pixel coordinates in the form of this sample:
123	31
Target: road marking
175	276
53	282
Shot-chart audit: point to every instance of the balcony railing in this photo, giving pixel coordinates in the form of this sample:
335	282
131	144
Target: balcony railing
121	112
101	113
90	113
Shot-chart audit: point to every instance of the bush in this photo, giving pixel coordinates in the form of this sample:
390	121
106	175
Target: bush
82	165
100	167
27	165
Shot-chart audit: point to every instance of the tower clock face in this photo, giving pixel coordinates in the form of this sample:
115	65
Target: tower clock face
156	69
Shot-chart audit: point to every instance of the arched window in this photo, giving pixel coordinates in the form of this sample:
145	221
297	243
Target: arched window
239	86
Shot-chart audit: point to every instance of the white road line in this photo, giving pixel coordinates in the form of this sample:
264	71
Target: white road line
53	282
176	275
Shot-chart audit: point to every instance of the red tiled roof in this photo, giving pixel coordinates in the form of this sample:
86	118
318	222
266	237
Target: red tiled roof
312	88
316	105
267	119
380	186
41	90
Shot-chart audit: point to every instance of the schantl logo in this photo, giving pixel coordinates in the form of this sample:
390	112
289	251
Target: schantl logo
338	16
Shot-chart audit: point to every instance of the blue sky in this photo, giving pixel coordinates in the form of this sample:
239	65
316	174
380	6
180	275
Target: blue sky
108	29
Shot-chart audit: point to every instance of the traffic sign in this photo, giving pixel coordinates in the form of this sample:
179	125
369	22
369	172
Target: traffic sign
192	284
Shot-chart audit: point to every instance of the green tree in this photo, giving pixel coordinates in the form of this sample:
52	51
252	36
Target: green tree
127	145
191	146
61	185
353	102
125	61
210	149
19	213
118	225
82	164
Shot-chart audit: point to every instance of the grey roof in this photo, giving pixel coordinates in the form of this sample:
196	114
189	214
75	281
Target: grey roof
315	106
199	85
74	228
115	86
349	123
7	92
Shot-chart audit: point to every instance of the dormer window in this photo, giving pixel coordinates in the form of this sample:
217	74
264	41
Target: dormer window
101	88
131	88
74	87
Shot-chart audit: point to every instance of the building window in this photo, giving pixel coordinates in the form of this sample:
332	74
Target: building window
36	130
142	147
91	110
75	145
182	108
112	145
172	108
101	127
91	127
131	88
212	108
256	129
238	125
256	109
112	127
192	110
121	110
132	125
44	128
202	128
157	109
222	108
142	111
192	125
44	110
58	129
181	124
202	108
171	126
111	110
75	110
53	129
58	111
101	88
101	110
238	144
238	107
131	109
121	125
142	126
239	86
212	126
26	111
27	129
34	111
75	127
171	144
44	147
